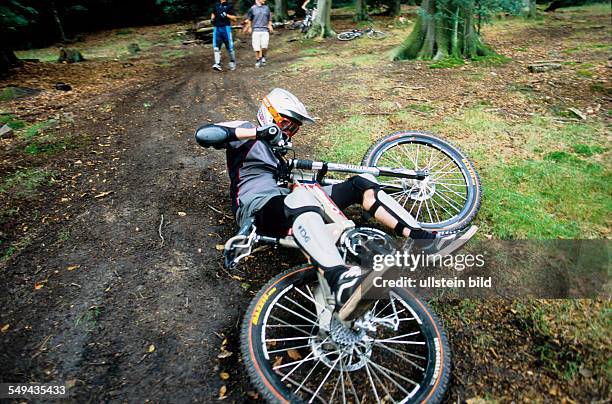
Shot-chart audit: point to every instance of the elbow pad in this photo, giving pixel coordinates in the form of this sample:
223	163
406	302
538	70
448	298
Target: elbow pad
215	136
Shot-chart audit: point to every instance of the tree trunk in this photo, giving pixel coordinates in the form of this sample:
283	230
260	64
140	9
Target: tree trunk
532	9
60	27
440	33
321	25
280	10
395	8
361	11
7	59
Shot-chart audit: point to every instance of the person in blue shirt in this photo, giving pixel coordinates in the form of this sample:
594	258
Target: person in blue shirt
222	17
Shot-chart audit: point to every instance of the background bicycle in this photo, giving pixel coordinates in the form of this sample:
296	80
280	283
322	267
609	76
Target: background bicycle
356	33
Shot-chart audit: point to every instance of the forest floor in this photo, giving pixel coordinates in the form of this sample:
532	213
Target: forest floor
111	217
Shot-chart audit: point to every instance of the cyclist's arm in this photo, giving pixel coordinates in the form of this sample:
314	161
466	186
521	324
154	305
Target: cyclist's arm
305	4
218	136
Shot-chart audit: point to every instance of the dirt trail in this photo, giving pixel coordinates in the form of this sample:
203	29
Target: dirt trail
132	294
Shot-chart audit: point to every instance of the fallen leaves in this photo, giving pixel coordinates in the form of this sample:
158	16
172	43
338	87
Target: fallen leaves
222	392
182	214
5	328
151	348
224	375
72	267
294	354
40	285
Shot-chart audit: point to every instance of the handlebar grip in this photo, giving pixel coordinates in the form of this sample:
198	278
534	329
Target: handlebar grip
302	164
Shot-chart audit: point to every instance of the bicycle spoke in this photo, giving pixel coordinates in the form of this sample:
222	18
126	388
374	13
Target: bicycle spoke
297	314
325	378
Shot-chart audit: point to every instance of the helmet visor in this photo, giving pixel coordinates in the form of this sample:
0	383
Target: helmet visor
289	126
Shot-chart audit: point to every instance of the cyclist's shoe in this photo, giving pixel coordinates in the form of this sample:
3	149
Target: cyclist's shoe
343	281
232	65
263	61
444	245
217	67
258	64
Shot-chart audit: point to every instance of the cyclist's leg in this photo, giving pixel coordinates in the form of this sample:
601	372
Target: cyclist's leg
365	189
271	219
306	215
216	45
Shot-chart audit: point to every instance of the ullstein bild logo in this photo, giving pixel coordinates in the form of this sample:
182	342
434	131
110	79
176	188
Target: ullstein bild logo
404	259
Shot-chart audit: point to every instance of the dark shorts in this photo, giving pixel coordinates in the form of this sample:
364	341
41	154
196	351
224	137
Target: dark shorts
223	35
271	219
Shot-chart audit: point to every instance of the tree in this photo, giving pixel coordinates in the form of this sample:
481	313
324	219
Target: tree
447	28
321	26
361	11
14	16
280	10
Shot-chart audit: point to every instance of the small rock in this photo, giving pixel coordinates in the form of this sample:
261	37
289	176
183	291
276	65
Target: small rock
6	132
62	86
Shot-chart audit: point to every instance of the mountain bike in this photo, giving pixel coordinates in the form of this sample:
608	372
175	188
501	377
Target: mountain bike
390	348
357	33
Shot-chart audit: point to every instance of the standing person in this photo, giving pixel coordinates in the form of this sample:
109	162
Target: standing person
222	15
259	23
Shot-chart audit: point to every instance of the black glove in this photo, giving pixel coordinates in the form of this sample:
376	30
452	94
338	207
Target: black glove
269	133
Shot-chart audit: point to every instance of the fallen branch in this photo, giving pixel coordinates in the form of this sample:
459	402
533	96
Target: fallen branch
159	230
219	212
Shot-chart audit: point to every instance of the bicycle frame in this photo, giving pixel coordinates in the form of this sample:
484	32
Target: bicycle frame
339	224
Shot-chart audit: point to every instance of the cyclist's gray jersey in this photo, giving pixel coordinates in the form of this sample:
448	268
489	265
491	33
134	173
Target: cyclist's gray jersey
251	166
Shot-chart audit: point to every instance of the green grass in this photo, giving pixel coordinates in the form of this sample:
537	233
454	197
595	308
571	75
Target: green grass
584	73
540	179
491	60
571	335
38	128
447	63
7	94
24	182
12	121
347	142
561	196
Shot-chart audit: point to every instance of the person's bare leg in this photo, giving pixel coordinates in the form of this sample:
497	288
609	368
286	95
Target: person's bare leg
381	215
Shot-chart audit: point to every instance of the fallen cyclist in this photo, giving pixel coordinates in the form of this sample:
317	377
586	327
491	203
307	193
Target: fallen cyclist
253	169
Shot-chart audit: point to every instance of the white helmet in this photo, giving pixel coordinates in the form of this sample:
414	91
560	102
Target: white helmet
286	104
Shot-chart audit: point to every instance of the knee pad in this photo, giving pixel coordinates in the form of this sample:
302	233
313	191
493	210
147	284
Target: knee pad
363	182
391	206
301	201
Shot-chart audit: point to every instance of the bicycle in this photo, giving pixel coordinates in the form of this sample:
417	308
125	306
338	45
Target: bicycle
357	33
391	349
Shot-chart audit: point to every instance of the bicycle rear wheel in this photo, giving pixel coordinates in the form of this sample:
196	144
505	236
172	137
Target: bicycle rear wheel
347	36
403	356
448	199
373	34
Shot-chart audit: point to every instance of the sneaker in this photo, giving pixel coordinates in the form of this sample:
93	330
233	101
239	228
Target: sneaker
258	64
232	65
263	61
444	245
217	67
343	282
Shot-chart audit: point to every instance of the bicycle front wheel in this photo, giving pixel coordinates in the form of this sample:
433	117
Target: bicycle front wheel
448	199
347	36
401	356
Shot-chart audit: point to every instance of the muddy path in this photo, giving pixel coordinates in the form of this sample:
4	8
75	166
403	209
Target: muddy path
131	302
